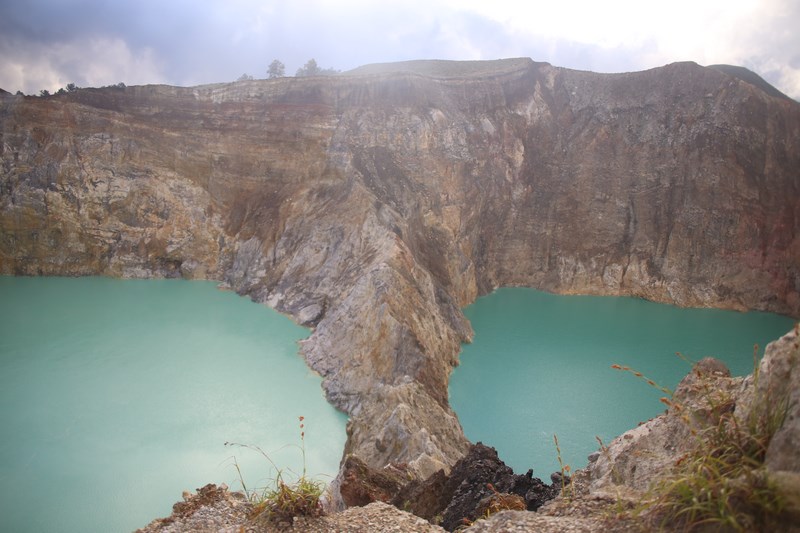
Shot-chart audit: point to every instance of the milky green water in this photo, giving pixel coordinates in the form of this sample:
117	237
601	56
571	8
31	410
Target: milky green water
117	395
540	365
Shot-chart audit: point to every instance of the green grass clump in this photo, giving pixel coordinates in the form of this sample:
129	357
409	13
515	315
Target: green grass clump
283	501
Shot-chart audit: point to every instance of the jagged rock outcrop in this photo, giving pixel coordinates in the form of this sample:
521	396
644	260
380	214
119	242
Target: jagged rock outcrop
479	482
759	413
361	485
634	459
374	205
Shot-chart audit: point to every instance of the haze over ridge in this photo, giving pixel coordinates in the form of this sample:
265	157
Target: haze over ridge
46	44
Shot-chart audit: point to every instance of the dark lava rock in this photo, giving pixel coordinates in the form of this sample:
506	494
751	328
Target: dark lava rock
475	481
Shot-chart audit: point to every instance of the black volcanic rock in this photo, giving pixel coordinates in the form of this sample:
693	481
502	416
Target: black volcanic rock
461	496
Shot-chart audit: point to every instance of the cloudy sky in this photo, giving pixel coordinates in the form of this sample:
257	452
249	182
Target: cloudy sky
45	44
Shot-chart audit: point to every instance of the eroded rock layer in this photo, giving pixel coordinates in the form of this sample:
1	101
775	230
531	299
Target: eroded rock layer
374	205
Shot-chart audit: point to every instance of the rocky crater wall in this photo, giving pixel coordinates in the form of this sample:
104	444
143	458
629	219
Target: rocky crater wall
373	205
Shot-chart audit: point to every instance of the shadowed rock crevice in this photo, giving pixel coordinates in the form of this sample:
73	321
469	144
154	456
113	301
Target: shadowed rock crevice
374	205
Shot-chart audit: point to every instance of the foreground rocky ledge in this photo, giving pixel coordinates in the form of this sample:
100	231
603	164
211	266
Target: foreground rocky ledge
229	514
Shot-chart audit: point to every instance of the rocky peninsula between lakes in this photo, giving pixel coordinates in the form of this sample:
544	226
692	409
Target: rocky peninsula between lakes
372	206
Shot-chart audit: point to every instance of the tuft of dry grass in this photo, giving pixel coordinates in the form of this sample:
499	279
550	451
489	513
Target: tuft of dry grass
721	484
284	501
567	487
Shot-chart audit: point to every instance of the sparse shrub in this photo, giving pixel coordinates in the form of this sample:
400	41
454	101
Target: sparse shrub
309	69
276	69
284	500
312	69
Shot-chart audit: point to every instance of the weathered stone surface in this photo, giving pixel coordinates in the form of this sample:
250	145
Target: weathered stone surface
375	204
215	510
426	498
788	486
361	485
524	522
211	509
779	382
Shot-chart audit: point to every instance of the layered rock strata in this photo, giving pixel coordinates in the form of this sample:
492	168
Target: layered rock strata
372	206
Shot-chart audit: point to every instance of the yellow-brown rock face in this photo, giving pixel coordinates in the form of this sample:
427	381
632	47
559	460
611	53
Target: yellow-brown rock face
374	205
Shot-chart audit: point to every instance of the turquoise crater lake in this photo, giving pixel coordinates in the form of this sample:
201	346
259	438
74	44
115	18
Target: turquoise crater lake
540	365
117	395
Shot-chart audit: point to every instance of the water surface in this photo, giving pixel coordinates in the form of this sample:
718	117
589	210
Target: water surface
540	365
117	395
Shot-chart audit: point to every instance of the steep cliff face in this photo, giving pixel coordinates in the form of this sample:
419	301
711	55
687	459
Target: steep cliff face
375	204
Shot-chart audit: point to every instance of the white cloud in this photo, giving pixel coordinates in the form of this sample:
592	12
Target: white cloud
110	60
218	41
614	23
93	63
759	34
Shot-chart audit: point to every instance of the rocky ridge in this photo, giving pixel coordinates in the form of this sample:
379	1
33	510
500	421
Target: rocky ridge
372	206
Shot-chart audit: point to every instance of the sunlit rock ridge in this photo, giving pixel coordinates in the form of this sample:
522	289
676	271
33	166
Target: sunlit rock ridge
375	204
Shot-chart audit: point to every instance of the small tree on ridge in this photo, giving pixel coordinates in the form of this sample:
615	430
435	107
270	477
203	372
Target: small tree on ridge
276	69
309	69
